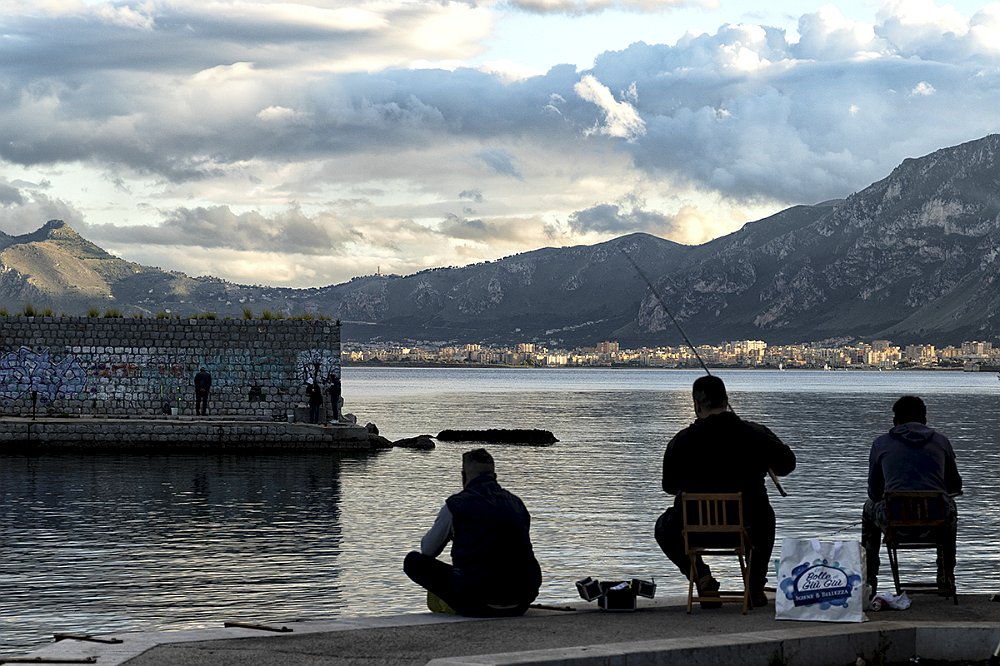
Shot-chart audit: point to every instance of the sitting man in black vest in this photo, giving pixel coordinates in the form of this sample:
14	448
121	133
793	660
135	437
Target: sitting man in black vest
494	570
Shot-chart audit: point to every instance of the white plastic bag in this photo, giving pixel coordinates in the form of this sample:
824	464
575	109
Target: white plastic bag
821	580
890	600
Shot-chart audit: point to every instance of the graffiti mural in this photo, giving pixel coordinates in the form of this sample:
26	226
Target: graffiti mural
319	363
28	370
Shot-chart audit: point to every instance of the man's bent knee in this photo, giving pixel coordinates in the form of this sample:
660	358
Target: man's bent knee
411	562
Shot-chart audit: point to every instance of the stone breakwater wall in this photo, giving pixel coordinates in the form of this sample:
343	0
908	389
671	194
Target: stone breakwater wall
155	436
87	366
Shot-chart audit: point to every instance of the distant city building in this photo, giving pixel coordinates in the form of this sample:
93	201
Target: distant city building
879	355
975	349
607	347
921	354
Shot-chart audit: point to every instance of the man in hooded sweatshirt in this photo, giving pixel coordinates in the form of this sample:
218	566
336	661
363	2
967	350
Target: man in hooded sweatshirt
911	456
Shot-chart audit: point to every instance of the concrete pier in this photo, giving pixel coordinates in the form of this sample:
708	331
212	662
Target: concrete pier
660	633
177	433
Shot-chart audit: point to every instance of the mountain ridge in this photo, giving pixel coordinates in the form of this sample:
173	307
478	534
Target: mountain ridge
912	257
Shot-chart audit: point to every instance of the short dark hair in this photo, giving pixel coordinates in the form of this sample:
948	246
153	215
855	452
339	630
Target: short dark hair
477	462
710	392
909	409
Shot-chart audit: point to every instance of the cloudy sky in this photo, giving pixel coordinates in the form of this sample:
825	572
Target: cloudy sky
304	143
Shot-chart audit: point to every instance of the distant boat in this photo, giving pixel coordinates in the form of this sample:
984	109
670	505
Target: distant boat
781	366
827	367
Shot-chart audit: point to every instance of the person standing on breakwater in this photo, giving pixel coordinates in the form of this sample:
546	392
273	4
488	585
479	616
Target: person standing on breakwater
721	453
334	390
202	385
494	571
911	456
315	396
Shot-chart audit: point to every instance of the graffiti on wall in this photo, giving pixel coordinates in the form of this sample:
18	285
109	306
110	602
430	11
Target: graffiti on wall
28	370
319	363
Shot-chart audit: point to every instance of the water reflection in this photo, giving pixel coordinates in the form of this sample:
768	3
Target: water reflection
595	495
128	543
110	543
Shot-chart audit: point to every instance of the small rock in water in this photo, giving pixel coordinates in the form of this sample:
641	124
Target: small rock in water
418	442
371	428
500	436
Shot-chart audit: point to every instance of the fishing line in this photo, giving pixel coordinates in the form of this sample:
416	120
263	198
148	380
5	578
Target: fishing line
667	310
659	299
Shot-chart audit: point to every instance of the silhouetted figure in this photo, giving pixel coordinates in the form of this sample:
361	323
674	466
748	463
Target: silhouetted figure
315	399
494	571
911	456
334	391
721	453
202	386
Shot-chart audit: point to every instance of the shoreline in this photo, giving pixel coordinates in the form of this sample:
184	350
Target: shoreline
501	366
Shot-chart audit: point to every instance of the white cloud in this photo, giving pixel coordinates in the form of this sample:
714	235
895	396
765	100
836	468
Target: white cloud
828	35
620	118
984	30
22	212
592	6
279	114
326	136
922	28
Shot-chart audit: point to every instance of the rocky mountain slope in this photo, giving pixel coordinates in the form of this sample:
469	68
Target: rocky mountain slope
912	257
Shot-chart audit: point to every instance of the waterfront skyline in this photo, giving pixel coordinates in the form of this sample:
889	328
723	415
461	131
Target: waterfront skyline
971	355
304	144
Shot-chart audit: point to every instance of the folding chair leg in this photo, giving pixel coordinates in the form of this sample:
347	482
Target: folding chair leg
744	569
894	567
692	574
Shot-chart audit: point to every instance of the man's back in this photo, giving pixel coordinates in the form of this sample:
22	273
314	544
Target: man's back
912	456
723	453
202	381
491	548
720	452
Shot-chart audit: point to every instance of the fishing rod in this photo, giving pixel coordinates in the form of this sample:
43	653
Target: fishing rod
659	299
667	310
849	527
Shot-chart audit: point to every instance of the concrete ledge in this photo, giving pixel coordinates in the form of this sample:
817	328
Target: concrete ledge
831	645
162	435
134	644
414	638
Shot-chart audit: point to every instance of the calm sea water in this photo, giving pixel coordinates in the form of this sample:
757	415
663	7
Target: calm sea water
113	543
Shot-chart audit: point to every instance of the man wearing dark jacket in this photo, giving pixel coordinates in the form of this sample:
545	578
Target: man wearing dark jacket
202	385
494	571
721	453
911	456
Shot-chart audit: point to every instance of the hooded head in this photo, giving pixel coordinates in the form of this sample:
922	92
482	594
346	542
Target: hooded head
909	419
909	409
